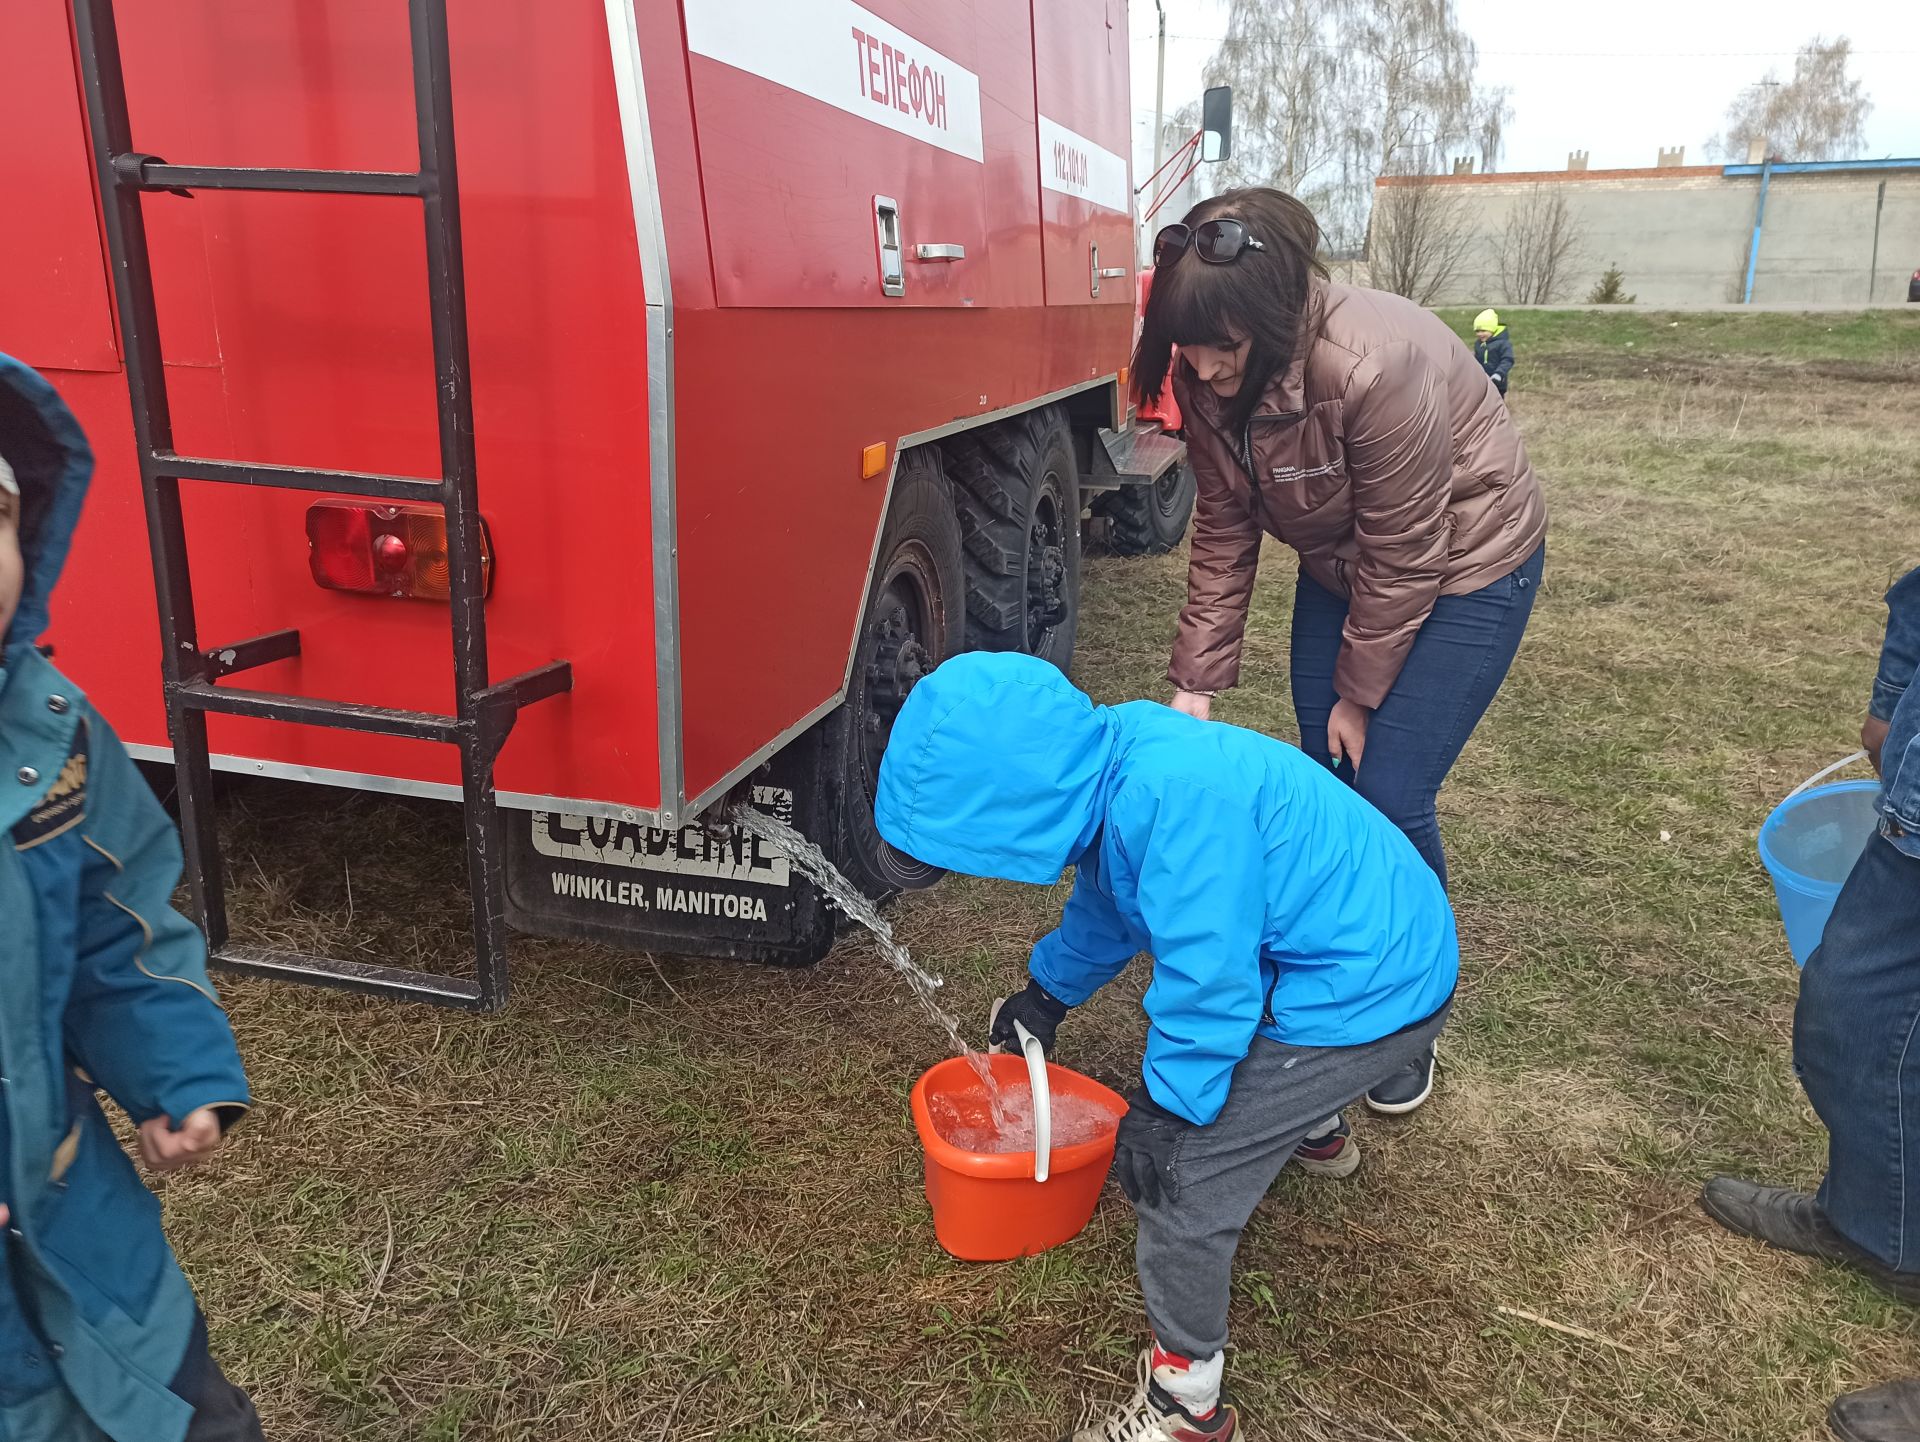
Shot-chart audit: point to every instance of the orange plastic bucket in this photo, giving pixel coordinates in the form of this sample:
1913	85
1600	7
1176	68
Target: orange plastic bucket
986	1206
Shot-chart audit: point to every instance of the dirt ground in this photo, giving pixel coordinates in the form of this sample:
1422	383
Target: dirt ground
681	1199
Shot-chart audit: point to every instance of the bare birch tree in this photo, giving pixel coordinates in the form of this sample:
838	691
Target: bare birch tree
1820	114
1538	246
1330	95
1415	66
1418	237
1287	111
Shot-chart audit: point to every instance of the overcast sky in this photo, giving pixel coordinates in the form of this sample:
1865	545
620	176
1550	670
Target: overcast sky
1652	73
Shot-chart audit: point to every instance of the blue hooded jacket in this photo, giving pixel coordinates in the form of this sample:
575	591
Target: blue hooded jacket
1273	899
102	985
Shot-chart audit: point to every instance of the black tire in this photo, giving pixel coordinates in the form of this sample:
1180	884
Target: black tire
914	619
1017	487
1150	520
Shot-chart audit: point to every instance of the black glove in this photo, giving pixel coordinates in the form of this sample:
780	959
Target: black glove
1036	1009
1143	1156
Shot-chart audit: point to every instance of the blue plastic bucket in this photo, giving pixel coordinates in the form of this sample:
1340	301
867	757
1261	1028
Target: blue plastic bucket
1809	844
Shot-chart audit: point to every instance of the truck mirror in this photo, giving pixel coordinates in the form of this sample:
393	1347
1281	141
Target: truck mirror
1216	123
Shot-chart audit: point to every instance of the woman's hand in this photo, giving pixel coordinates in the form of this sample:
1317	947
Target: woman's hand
1347	731
1873	738
1197	704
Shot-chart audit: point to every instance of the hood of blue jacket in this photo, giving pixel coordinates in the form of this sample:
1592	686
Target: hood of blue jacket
52	462
997	766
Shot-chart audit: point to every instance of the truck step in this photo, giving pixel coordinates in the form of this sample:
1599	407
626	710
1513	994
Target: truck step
1137	456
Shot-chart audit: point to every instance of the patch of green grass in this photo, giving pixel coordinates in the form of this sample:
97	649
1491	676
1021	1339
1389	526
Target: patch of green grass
674	1198
1889	336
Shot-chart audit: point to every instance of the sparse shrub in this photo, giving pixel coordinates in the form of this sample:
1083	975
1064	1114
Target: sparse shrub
1612	289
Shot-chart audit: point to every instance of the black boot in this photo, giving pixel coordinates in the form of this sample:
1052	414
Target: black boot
1793	1222
1887	1413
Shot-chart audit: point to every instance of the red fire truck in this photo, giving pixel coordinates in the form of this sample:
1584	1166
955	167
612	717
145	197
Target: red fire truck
757	355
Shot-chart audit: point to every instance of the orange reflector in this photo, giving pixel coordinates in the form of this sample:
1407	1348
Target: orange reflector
1123	377
873	460
382	550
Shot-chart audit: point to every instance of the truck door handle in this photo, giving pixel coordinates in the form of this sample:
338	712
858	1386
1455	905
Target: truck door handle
886	229
939	252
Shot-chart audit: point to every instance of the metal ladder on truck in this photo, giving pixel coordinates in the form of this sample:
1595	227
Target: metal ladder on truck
191	673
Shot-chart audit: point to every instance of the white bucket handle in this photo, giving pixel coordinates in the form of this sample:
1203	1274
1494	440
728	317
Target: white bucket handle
1036	1056
1814	780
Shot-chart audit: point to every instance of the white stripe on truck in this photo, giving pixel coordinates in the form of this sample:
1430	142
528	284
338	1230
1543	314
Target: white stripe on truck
1071	164
846	56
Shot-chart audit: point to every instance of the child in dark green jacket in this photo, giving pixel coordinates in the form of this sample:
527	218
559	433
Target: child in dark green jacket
103	986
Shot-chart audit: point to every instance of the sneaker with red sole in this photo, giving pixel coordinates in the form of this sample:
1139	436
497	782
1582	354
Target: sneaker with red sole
1152	1414
1333	1153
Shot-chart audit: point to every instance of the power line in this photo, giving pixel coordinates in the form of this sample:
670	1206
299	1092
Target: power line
1559	54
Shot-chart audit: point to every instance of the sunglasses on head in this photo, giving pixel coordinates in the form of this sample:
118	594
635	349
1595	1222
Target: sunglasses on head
1217	242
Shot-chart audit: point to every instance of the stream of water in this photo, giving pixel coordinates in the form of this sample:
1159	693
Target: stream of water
813	863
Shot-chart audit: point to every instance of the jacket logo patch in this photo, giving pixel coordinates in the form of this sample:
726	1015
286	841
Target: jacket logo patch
65	804
1285	474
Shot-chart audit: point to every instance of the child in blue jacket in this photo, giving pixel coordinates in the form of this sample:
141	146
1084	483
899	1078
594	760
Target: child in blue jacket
102	986
1302	952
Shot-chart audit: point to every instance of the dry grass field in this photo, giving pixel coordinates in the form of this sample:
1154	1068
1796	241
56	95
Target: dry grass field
681	1200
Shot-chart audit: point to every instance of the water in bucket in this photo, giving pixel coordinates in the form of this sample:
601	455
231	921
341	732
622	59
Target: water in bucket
1809	845
963	1119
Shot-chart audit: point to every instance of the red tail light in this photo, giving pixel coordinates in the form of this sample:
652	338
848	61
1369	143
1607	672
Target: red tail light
381	550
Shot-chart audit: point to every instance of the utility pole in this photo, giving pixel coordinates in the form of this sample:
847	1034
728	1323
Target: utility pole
1769	121
1160	92
1159	140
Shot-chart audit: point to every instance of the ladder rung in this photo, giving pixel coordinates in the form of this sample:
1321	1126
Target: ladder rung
296	478
518	692
254	651
365	976
312	711
140	173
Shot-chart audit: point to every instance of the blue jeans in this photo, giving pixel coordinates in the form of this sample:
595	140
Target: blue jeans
1854	1035
1458	660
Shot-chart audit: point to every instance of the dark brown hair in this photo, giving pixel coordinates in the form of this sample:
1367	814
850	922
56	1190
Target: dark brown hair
35	459
1261	298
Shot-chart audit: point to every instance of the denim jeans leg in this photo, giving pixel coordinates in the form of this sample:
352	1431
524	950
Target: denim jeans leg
1856	1047
1452	673
1319	619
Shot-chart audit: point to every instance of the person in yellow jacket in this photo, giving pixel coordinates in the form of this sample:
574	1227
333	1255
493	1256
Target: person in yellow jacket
1493	348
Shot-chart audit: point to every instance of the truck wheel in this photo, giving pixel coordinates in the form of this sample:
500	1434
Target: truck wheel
914	620
1150	520
1018	491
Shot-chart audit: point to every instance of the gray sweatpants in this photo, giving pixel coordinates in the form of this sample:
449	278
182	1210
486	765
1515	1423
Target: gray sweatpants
1280	1095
